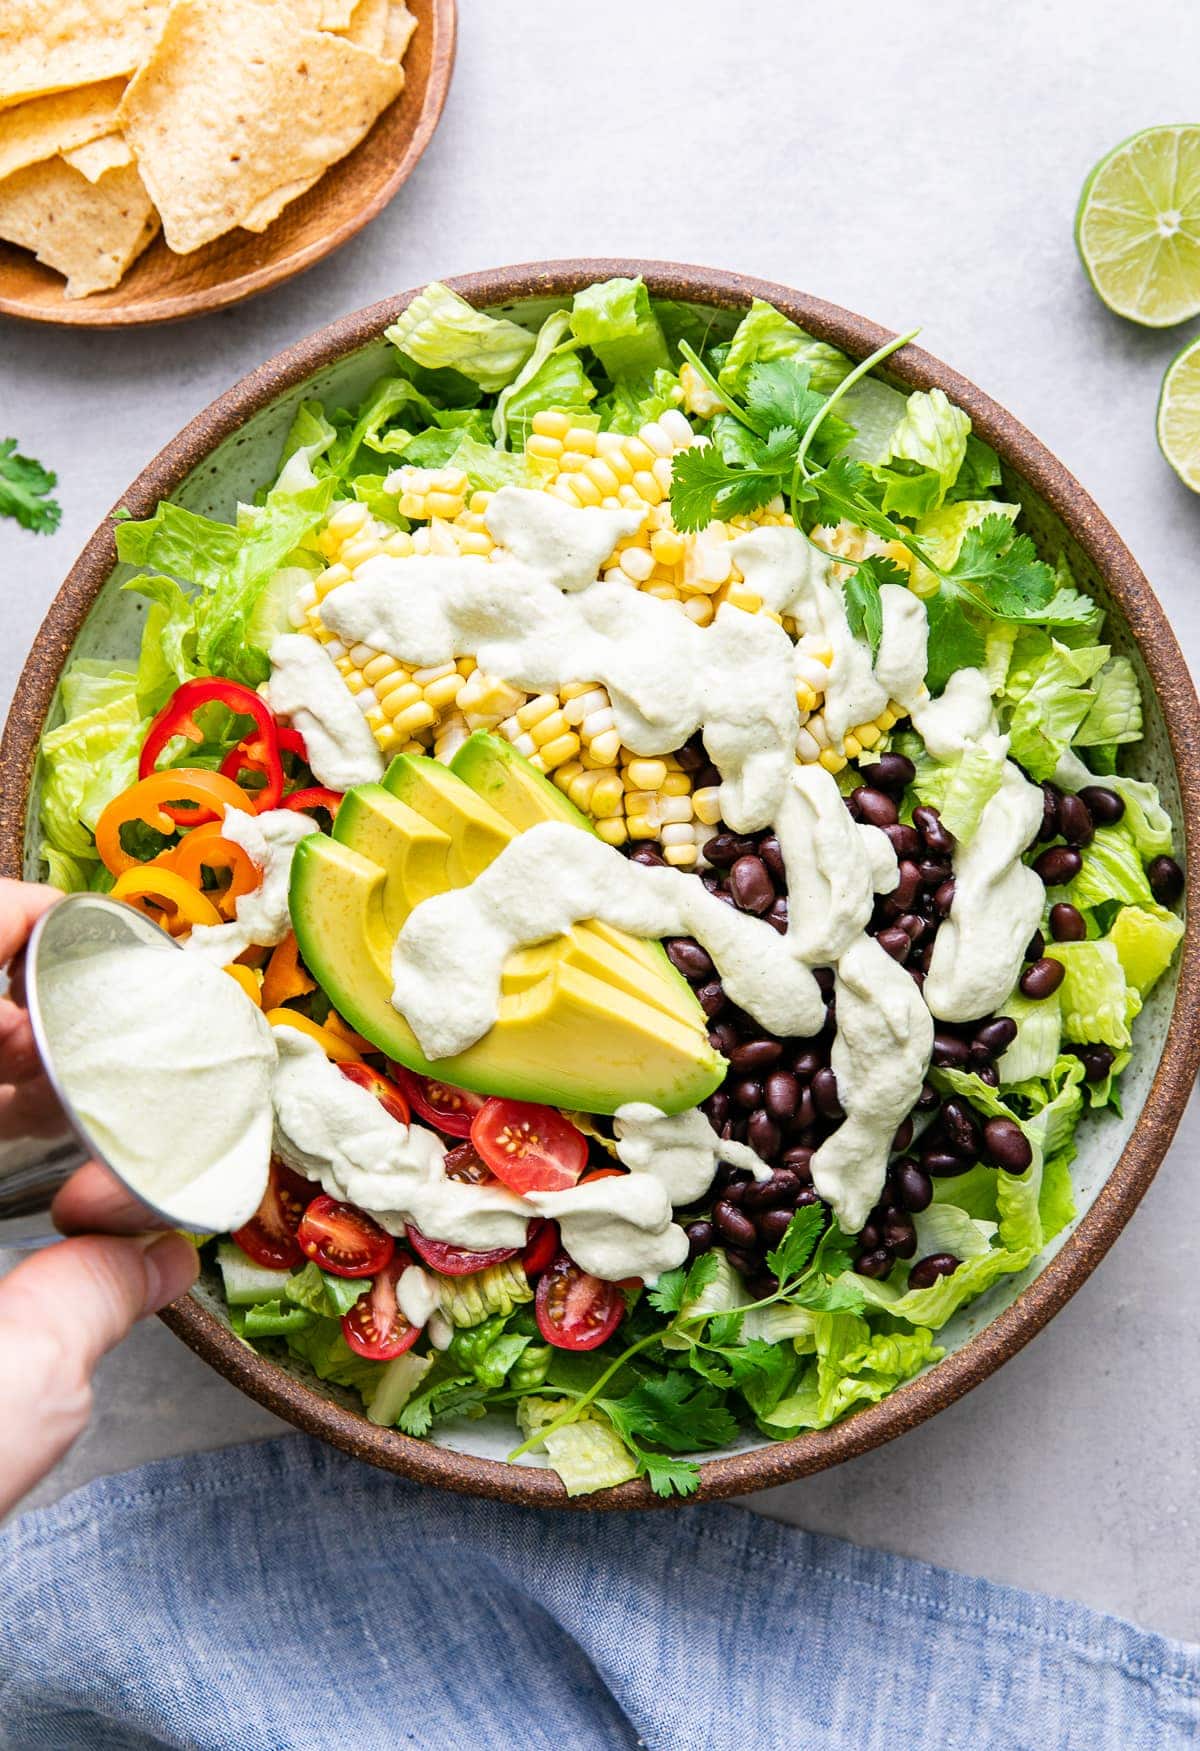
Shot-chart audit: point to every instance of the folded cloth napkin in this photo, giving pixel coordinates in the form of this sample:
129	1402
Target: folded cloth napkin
278	1596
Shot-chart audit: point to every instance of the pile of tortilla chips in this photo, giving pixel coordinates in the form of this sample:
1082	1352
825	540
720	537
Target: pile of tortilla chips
118	116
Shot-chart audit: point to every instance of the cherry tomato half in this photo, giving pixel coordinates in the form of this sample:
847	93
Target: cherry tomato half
375	1326
602	1173
343	1240
574	1310
269	1238
464	1165
541	1246
441	1105
455	1261
530	1148
390	1097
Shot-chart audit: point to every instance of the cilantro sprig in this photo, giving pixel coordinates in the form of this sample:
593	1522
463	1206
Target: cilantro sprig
25	488
676	1402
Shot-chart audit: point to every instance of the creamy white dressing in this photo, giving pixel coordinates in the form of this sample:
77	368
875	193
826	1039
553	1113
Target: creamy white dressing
169	1065
261	917
682	1150
306	687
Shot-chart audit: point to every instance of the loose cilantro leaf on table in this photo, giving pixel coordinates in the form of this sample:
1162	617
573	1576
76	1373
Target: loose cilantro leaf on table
25	488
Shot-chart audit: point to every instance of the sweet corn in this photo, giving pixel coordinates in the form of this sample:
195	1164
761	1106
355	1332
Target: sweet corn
425	493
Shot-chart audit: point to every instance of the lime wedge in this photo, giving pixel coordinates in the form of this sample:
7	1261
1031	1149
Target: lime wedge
1179	415
1137	226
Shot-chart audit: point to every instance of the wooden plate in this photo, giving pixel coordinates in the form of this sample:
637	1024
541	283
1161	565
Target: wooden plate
161	287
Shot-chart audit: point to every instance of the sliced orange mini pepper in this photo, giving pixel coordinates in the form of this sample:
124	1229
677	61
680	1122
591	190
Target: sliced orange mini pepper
244	976
163	895
338	1050
285	977
204	848
206	792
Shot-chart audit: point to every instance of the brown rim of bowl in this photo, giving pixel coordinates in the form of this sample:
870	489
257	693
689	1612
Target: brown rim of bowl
778	1463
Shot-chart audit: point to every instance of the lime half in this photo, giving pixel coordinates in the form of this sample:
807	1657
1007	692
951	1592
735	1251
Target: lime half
1179	415
1137	227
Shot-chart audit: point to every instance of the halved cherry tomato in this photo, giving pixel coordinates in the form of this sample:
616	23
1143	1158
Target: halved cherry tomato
574	1310
447	1108
455	1261
257	752
463	1164
530	1148
541	1246
317	796
157	801
390	1098
342	1239
206	848
602	1173
269	1238
375	1326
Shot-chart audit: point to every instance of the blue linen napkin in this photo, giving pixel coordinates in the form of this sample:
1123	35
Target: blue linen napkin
279	1597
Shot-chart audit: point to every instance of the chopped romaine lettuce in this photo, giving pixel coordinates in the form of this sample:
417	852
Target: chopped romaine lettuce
324	1293
393	1386
764	333
86	761
1112	870
946	1227
924	454
1094	995
1049	699
853	1365
615	319
1115	714
1144	819
1145	938
551	377
587	1454
441	329
1039	1034
245	1282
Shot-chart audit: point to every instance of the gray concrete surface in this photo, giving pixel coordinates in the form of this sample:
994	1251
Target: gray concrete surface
919	164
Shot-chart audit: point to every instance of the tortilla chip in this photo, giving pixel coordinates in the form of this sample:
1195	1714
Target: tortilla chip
218	134
30	132
88	231
335	14
98	157
400	26
50	45
368	26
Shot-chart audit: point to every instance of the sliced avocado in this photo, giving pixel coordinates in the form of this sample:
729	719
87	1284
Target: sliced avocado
525	796
422	858
562	1038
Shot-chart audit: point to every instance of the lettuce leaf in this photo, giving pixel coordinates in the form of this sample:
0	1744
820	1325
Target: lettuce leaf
962	788
615	319
330	1357
764	333
1094	995
1112	870
1145	938
440	329
947	1227
1056	1202
1145	819
1039	1033
930	442
853	1365
324	1294
85	761
587	1454
551	377
1115	714
1049	700
932	1307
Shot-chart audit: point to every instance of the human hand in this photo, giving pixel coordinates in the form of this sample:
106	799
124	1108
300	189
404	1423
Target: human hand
62	1309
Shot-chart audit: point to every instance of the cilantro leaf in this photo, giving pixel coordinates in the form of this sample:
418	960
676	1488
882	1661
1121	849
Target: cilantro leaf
667	1294
860	593
442	1399
762	1373
25	488
704	486
1001	571
703	1272
667	1476
725	1328
955	641
796	1248
673	1411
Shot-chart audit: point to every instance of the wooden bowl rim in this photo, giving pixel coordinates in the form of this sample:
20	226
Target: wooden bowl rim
81	313
781	1462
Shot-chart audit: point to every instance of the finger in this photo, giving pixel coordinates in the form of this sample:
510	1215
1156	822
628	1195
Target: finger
94	1201
21	905
31	1109
60	1311
18	1051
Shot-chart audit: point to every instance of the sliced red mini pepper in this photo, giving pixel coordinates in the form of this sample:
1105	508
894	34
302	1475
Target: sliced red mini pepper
317	796
257	752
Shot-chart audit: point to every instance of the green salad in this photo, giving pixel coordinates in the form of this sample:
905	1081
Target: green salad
672	817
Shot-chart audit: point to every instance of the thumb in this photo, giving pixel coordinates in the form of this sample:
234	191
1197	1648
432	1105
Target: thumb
60	1311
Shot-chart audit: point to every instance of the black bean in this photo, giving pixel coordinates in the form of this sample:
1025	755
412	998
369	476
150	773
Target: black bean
722	1037
825	980
943	1163
891	772
763	1134
895	942
700	1238
798	1161
708	777
691	756
997	1035
875	807
1058	866
913	925
989	1074
736	1187
949	1052
933	872
1007	1145
736	1228
902	1136
772	856
724	849
717	1108
756	1055
650	855
928	823
751	885
805	1115
916	1187
772	1225
926	1271
781	1093
688	958
745	1262
929	1099
777	916
711	997
899	1235
807	1062
747	1093
1074	822
873	1264
871	1233
1042	979
825	1094
767	1194
1166	880
1097	1061
905	891
1067	922
806	1196
943	899
1050	801
961	1128
1104	805
905	840
1035	948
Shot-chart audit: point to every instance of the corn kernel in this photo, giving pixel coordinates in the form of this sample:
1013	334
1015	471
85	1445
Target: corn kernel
706	804
681	856
646	774
549	449
549	424
612	831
